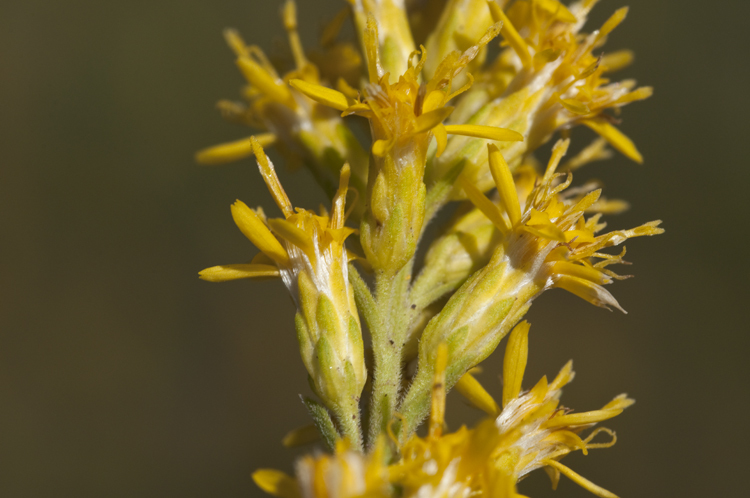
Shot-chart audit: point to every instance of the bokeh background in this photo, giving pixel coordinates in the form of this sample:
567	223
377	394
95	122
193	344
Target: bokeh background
122	374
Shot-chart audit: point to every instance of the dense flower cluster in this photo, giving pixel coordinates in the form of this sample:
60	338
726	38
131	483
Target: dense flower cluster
457	94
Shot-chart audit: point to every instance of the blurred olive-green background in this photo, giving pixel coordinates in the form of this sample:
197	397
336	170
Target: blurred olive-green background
122	374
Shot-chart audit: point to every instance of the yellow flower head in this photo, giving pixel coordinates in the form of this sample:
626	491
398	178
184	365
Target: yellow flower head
307	251
548	79
304	131
531	431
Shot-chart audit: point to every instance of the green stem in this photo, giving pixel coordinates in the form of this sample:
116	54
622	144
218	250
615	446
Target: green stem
388	343
349	422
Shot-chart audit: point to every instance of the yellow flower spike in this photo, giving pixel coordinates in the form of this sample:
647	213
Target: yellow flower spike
257	76
258	233
300	437
505	185
514	365
268	173
580	480
510	34
488	132
615	137
233	151
225	273
437	413
470	388
276	483
323	95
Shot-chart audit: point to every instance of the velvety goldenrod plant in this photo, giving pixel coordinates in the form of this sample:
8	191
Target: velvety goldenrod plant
458	95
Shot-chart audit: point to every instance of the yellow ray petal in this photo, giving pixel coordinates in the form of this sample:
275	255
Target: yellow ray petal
488	132
301	436
259	77
441	137
476	395
563	377
254	229
224	273
557	9
581	271
586	418
506	187
437	413
514	364
614	21
276	483
580	480
429	120
614	61
321	94
589	291
289	231
615	137
485	205
232	151
540	225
